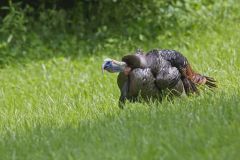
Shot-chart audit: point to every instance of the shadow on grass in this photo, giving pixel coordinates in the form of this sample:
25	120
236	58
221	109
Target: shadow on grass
200	128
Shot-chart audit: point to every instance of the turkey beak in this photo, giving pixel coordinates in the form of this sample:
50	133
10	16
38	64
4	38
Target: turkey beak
107	65
103	68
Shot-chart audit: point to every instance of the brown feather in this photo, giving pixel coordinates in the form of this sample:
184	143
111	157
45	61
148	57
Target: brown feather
197	78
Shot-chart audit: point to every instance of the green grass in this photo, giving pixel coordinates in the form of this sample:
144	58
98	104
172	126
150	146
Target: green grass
64	108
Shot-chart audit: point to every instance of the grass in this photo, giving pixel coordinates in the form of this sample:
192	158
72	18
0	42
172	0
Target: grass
64	108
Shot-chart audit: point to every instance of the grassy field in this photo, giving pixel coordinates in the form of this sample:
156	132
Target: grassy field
64	108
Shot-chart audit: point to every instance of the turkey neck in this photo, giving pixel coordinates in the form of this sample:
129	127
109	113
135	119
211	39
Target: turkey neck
135	61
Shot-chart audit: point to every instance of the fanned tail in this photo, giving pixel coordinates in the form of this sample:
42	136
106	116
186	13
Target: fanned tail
204	80
191	79
211	82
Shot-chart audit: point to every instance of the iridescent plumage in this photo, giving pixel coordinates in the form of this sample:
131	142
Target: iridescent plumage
157	71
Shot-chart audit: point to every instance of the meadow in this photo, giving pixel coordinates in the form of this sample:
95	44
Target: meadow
61	106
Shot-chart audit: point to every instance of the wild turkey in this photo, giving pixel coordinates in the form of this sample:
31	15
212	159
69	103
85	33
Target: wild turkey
150	74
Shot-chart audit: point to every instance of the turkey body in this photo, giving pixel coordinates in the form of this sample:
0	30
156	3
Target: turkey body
142	83
149	78
156	72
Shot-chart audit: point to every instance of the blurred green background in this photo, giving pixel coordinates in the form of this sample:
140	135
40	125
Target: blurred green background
88	27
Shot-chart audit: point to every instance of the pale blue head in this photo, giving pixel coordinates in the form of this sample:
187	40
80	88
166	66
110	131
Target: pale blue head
112	66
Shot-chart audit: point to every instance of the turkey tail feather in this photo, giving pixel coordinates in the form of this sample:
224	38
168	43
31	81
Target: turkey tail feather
209	81
197	78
